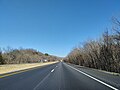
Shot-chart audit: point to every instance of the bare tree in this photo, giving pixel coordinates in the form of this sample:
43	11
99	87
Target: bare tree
100	54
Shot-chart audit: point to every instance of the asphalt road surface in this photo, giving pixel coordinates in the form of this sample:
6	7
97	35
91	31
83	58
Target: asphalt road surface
59	76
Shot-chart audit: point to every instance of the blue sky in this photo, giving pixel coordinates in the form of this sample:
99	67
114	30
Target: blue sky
54	26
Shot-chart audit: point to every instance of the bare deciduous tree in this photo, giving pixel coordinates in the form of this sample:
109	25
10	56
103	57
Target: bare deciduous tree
102	54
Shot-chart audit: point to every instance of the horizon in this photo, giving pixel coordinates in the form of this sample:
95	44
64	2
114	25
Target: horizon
54	27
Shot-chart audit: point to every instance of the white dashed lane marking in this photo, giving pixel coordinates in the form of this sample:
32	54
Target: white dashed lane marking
52	70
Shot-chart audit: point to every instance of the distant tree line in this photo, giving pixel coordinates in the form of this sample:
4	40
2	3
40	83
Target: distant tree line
103	54
16	56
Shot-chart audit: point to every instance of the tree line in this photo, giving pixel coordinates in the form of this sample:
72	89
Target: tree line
16	56
103	54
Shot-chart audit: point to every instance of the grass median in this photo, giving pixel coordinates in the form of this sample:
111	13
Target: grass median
17	67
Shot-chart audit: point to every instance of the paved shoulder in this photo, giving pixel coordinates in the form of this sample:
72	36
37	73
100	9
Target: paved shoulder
106	77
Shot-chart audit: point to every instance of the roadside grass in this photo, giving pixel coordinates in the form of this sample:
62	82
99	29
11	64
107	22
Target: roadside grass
17	67
113	73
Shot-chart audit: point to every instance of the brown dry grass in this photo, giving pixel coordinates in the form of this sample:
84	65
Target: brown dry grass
16	67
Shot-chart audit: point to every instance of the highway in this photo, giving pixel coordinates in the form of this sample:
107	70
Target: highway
59	76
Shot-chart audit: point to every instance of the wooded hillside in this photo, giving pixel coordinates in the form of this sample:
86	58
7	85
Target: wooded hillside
16	56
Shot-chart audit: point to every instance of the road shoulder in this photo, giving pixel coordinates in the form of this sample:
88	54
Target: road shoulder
103	76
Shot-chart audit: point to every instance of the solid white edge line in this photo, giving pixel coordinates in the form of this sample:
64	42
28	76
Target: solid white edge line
94	78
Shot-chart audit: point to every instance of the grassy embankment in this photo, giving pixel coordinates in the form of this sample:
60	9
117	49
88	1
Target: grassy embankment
16	67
